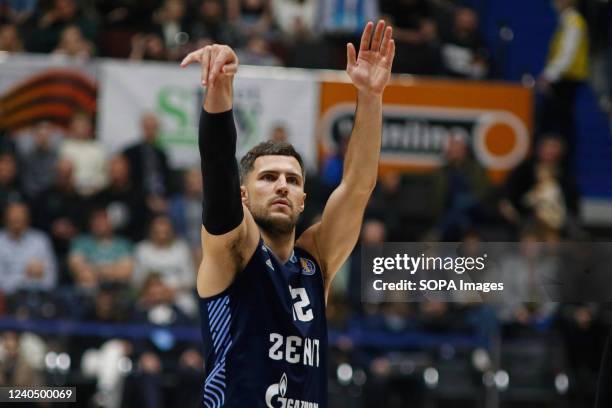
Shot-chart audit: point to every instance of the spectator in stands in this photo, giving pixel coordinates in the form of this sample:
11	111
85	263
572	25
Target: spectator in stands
416	35
257	52
566	68
339	22
100	256
463	51
39	161
185	211
159	354
60	211
541	190
528	278
331	172
172	21
211	23
251	17
388	202
9	183
149	164
9	38
126	205
165	254
279	133
296	19
461	189
21	360
73	44
17	11
53	21
86	154
26	256
337	17
149	47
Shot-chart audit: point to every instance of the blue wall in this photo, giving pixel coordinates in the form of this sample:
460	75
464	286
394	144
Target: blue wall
533	23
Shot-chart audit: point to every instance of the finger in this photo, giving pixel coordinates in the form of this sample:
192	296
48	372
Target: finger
390	54
384	48
230	69
190	58
351	55
205	60
365	37
378	34
217	63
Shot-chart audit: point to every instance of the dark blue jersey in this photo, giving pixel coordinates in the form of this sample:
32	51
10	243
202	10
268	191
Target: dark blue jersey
265	337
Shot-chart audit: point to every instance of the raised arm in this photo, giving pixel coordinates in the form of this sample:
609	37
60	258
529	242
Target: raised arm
332	240
225	221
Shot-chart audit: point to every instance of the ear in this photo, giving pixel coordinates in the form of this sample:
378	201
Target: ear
244	194
303	203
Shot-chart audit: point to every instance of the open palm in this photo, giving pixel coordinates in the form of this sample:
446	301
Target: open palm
371	69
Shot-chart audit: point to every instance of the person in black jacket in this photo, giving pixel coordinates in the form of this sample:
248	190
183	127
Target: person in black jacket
149	164
542	191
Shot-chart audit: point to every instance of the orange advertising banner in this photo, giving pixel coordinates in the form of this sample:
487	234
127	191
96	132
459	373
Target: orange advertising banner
419	115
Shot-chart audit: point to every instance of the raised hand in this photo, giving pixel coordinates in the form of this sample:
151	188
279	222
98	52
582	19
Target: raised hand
371	69
217	62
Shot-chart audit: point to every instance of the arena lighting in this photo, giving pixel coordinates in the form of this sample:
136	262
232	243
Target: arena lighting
344	373
480	359
63	362
488	379
51	360
431	377
502	380
562	383
124	365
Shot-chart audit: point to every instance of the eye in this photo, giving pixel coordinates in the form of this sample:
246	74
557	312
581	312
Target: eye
293	180
268	177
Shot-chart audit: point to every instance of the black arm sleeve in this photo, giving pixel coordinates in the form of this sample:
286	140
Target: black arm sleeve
222	204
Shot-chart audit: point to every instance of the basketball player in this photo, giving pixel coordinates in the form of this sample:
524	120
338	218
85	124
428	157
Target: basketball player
262	291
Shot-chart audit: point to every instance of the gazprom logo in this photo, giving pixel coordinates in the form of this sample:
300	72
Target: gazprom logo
416	135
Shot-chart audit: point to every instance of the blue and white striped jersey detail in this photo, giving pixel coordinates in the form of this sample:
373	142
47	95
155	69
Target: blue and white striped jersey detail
219	317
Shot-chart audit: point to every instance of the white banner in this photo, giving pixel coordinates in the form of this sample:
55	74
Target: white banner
263	99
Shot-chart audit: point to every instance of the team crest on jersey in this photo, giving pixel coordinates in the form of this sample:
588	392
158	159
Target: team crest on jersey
275	397
308	267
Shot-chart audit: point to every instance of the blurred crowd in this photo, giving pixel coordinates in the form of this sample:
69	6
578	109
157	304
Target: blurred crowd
433	36
105	239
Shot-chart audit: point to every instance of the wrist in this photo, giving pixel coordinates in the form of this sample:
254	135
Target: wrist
219	96
369	97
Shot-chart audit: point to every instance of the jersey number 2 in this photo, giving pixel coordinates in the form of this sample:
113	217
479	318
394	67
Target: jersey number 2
301	305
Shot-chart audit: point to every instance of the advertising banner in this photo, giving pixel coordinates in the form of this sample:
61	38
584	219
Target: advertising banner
420	115
264	98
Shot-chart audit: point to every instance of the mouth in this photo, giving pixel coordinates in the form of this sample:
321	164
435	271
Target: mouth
281	202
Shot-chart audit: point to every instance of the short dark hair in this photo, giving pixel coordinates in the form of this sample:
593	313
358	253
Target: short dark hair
267	148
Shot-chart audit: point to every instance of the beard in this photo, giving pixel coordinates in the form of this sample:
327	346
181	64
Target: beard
273	225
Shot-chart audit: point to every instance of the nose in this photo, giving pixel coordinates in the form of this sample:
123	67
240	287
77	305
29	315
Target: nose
281	186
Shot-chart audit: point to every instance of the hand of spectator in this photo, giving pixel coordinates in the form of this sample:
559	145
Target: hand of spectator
35	269
48	18
370	71
217	62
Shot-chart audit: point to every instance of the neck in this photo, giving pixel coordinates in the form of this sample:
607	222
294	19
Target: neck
281	244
